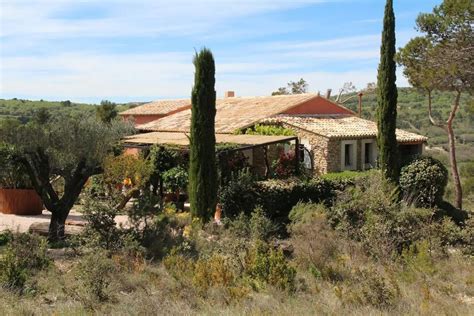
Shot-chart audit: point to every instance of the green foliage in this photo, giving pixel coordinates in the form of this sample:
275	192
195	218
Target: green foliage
276	197
423	181
298	87
272	130
269	265
315	242
101	229
387	99
116	169
237	196
24	110
175	179
94	272
202	166
370	287
212	272
23	256
106	111
261	227
12	173
5	237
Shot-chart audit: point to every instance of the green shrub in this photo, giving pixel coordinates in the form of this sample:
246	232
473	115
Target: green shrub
101	229
278	197
5	237
261	227
94	272
212	272
368	213
314	242
238	196
24	255
269	265
424	181
370	287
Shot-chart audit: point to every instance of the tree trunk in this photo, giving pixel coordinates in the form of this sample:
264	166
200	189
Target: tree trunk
454	167
57	224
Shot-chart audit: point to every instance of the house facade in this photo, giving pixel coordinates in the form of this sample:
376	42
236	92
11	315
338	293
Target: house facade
331	138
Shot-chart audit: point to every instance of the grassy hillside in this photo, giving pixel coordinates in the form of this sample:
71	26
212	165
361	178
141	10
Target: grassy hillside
23	110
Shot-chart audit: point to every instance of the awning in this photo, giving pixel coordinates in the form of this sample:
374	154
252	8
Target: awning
182	139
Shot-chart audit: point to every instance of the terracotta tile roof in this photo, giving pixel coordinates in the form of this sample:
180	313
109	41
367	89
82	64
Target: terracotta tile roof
342	126
160	107
232	113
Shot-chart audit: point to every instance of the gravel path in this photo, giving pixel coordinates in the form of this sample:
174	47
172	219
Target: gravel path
21	223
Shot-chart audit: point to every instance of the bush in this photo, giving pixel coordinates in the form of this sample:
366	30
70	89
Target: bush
276	197
423	181
238	196
315	243
101	229
94	272
212	272
370	287
24	255
269	265
261	227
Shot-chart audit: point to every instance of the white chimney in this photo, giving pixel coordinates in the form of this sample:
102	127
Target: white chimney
229	94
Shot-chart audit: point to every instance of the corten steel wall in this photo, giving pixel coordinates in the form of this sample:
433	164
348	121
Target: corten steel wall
20	202
142	119
318	105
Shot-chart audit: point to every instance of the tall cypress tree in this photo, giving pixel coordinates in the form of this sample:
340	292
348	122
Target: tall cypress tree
387	99
202	167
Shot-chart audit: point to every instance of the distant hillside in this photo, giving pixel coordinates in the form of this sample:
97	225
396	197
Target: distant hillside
23	109
413	116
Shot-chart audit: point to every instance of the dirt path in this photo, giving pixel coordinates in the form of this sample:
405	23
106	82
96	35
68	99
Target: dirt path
18	223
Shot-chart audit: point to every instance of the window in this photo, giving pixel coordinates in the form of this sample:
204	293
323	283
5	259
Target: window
349	155
368	153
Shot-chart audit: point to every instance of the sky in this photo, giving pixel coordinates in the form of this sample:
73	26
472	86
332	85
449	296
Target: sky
142	50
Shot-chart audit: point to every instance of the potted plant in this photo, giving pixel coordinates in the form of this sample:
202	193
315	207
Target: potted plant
176	181
17	195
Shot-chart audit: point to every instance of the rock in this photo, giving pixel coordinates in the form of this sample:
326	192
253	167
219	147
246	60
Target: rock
42	229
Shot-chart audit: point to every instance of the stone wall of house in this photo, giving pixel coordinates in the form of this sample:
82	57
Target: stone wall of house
322	151
258	165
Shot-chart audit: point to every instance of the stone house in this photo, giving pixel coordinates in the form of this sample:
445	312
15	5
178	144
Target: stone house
330	137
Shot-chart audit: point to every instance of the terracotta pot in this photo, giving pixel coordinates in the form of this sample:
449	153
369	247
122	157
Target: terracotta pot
20	202
218	214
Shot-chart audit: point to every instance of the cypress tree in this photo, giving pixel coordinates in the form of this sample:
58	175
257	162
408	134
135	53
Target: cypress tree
387	99
202	167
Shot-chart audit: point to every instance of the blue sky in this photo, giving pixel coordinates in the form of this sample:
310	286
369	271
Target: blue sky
127	50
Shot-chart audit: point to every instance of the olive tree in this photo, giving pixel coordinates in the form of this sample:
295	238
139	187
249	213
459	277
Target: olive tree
64	148
443	59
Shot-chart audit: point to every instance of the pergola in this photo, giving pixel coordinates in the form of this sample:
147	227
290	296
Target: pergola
180	139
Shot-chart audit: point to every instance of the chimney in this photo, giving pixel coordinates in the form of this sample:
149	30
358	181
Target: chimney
360	103
328	93
229	94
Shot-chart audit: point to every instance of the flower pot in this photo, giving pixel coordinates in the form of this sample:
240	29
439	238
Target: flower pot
20	202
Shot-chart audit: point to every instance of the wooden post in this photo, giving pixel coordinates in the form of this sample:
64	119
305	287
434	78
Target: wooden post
297	156
267	164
